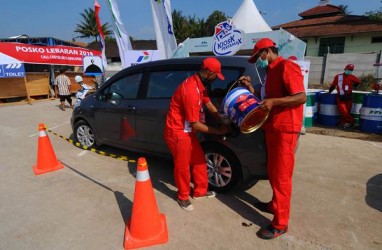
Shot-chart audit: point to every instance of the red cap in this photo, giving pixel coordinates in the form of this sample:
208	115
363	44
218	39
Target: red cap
349	67
261	44
213	65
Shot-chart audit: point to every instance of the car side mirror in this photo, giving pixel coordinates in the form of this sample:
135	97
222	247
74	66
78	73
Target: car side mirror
100	97
114	102
114	98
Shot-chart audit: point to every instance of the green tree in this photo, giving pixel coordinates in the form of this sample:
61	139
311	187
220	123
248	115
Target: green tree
180	25
88	26
345	9
215	18
192	26
375	14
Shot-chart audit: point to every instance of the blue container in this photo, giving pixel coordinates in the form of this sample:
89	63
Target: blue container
371	114
244	110
328	113
316	103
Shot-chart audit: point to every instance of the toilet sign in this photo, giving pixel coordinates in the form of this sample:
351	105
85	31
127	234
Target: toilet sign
12	70
92	65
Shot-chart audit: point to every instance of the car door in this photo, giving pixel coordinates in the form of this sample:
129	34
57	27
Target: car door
151	115
115	112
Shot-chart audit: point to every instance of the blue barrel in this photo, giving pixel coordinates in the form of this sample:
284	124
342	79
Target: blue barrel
371	114
315	108
328	114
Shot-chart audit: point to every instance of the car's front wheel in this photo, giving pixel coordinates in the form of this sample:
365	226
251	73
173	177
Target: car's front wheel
224	169
84	134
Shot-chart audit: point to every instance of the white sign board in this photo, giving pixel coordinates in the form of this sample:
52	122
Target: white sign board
135	57
92	65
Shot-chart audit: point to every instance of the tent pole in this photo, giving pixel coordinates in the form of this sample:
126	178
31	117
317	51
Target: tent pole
29	100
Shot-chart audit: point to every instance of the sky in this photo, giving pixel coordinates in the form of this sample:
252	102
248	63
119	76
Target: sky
58	19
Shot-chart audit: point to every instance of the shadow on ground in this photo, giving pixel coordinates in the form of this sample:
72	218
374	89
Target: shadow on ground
242	203
374	192
124	204
161	175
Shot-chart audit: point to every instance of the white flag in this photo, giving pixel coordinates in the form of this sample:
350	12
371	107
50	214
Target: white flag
166	42
121	36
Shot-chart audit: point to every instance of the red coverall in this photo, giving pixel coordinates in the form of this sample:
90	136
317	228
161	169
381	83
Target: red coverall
185	107
284	78
344	85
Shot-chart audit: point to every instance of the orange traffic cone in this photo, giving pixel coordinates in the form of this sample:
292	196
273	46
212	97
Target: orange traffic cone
146	227
46	158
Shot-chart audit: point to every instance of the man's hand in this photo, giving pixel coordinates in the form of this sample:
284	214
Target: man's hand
266	104
245	81
224	129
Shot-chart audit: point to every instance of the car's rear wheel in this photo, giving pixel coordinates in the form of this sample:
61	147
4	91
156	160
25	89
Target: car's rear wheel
224	169
84	134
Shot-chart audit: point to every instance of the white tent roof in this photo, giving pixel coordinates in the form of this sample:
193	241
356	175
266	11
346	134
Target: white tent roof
248	18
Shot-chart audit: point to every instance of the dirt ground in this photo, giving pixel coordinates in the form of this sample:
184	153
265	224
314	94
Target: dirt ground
353	133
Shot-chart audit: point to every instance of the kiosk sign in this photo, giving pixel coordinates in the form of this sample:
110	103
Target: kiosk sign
228	40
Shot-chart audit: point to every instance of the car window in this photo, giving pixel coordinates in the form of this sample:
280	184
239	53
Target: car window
162	84
126	87
219	88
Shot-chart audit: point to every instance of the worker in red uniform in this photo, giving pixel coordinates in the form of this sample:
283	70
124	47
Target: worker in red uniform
184	118
344	84
284	99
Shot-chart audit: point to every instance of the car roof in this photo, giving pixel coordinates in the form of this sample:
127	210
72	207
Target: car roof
196	60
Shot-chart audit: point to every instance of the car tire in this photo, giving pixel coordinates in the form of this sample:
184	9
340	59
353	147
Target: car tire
84	134
224	168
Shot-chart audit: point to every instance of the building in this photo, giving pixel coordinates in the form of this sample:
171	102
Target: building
327	29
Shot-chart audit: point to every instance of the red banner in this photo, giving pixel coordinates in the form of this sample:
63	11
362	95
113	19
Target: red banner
56	55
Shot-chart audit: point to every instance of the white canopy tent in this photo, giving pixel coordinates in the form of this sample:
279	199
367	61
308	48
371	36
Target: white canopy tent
248	18
289	46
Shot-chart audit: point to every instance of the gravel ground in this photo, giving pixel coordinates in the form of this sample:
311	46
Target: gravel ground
353	133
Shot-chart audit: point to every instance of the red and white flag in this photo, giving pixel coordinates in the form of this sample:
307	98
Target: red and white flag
101	34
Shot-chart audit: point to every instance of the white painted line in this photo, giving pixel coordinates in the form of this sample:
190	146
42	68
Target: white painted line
376	144
84	152
57	126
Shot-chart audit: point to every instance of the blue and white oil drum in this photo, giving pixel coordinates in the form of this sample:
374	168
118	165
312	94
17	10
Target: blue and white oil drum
328	114
371	114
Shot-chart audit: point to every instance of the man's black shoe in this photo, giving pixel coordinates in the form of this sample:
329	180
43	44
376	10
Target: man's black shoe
269	232
263	206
